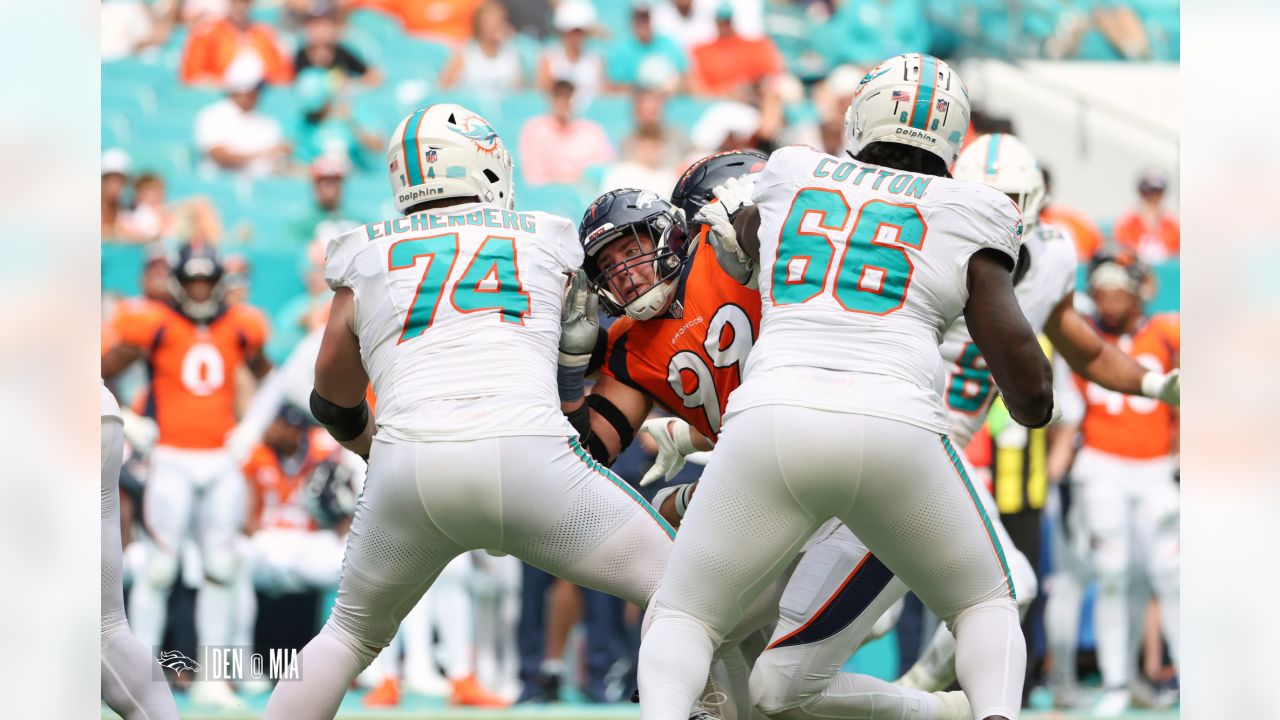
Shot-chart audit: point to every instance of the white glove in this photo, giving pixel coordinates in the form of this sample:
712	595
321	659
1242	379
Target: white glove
1166	387
674	443
724	240
579	323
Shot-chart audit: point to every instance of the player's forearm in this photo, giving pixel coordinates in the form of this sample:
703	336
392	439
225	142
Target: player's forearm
1114	370
701	442
1061	450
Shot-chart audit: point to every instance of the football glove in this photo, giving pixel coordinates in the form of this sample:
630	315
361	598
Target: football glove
674	443
1165	387
579	323
718	216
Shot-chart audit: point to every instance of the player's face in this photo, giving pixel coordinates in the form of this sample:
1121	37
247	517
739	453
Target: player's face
198	290
628	266
1116	307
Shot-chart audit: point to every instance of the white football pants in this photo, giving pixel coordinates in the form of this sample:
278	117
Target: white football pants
1129	510
198	492
541	499
778	473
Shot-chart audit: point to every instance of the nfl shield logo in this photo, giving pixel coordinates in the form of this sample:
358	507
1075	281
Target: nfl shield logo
431	155
943	105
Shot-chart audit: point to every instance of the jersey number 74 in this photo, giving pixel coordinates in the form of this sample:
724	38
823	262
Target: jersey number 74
873	271
491	280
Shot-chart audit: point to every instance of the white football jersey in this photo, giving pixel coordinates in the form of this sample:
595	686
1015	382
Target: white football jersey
862	268
458	316
968	389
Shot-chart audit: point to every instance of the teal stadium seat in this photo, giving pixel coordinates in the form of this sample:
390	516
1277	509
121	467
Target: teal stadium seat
566	200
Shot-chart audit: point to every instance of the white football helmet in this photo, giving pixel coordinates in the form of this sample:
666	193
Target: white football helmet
447	151
1004	162
913	99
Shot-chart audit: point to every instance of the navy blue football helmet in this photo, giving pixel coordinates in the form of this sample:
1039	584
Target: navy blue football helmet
635	246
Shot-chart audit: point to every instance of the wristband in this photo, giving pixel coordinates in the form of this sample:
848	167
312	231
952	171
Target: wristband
571	382
1152	383
683	439
682	498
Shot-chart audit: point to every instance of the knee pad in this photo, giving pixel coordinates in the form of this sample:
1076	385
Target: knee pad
161	569
221	563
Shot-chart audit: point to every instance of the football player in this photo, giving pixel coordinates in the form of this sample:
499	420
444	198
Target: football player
453	311
1044	283
193	346
1124	476
864	261
129	671
687	330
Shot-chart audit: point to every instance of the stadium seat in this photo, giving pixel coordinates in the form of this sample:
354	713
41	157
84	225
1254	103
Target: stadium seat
566	200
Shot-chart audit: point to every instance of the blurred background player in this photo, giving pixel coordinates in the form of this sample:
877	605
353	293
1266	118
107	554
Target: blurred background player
303	487
1124	478
131	682
193	346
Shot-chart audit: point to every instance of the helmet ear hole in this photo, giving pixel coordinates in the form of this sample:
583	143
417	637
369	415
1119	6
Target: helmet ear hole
491	176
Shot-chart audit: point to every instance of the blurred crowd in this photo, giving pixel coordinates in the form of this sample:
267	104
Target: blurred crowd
258	128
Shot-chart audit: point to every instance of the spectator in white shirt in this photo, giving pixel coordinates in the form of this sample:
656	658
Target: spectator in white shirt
569	58
232	135
693	22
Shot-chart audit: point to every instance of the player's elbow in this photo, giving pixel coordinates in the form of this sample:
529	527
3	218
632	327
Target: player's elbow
1029	397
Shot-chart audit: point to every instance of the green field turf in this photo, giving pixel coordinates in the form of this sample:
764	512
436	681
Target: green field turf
435	709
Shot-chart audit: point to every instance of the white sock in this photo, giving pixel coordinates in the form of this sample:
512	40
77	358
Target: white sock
327	667
132	682
991	657
675	659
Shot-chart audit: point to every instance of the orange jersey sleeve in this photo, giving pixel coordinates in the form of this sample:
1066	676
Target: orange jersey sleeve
689	362
136	322
1128	425
252	326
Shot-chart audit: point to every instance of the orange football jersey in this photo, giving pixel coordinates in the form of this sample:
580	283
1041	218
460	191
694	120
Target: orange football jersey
192	394
1129	425
277	492
690	363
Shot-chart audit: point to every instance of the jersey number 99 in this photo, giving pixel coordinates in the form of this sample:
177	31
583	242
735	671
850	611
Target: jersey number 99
491	280
873	273
731	322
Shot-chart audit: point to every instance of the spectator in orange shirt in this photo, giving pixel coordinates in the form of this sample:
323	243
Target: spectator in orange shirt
724	65
447	21
1083	231
1150	231
214	44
